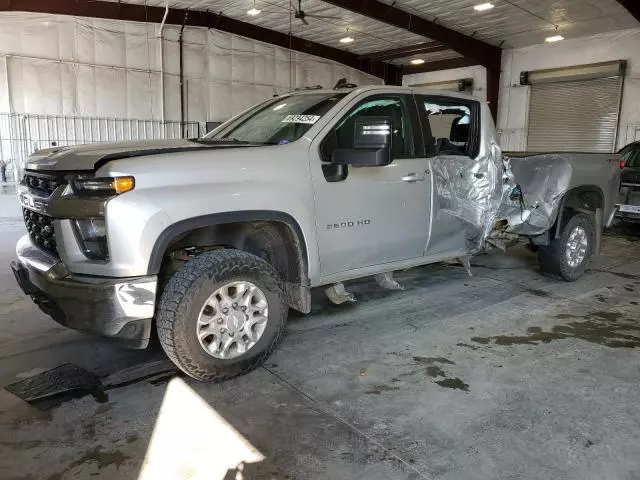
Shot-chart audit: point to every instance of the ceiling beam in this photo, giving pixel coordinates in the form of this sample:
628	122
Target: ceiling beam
420	48
633	6
481	52
450	63
198	18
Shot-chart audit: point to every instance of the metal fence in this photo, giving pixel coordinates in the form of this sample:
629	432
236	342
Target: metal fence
21	135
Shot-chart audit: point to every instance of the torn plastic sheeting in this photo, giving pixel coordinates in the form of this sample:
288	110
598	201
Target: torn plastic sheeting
471	191
543	179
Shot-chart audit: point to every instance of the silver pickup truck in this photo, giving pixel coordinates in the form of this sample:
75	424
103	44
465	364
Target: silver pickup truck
211	241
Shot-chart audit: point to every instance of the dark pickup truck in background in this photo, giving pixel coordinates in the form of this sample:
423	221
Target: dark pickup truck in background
629	207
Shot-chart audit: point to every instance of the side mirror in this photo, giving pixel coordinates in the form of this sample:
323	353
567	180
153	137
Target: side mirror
371	144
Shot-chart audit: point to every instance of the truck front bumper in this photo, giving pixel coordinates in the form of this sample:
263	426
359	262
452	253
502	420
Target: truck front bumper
119	308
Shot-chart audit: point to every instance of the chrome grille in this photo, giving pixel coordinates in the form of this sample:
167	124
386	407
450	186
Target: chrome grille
40	228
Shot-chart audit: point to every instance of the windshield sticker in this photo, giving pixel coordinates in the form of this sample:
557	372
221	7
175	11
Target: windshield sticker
308	119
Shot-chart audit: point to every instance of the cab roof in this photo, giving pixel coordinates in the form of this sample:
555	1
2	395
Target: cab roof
382	88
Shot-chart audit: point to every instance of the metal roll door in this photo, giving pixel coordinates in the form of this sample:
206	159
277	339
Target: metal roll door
579	116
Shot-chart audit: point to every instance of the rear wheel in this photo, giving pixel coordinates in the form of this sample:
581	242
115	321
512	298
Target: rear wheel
568	255
222	314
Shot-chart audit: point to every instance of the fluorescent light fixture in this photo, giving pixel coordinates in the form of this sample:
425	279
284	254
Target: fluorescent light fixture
253	12
417	61
346	40
483	6
555	38
279	107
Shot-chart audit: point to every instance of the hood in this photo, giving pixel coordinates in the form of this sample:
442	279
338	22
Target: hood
93	156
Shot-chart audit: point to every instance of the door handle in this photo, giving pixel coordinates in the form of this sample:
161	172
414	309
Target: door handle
412	178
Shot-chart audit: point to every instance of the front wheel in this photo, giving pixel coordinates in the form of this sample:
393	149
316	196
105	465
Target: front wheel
567	256
221	314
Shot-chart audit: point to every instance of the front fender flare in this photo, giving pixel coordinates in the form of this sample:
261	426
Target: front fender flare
173	231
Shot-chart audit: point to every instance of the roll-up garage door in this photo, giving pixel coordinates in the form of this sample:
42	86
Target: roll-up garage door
579	115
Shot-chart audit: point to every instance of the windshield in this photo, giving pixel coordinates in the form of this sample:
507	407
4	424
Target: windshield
280	121
631	155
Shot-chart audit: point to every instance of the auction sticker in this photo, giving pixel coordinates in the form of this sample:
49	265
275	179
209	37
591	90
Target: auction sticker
308	119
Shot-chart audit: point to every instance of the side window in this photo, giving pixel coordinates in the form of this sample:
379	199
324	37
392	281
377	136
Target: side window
393	107
632	157
453	125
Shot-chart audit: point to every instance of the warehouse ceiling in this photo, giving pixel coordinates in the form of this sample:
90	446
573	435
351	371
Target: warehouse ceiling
511	23
378	36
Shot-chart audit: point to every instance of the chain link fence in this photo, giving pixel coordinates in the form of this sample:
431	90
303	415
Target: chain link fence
21	135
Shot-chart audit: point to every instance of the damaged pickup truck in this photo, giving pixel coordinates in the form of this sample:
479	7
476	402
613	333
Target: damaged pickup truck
211	241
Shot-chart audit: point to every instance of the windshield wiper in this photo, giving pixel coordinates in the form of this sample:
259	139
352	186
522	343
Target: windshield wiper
232	141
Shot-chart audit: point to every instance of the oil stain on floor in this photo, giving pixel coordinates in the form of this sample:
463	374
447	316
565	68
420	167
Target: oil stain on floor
610	329
433	370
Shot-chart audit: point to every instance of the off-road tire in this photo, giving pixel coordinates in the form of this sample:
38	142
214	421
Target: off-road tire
551	258
186	293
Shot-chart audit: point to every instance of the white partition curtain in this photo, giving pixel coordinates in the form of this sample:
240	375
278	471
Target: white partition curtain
70	66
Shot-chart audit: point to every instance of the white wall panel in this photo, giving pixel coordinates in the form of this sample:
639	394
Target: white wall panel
4	88
109	39
62	65
111	89
196	98
86	88
44	78
477	73
143	106
138	46
220	55
172	97
68	91
285	76
219	104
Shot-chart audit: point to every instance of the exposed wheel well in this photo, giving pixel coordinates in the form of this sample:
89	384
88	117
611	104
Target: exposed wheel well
274	241
586	199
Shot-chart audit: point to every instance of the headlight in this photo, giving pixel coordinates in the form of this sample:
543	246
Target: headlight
92	238
101	186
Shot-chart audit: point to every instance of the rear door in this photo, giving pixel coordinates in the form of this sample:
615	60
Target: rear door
371	215
462	172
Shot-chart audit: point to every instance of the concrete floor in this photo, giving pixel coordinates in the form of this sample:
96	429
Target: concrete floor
503	375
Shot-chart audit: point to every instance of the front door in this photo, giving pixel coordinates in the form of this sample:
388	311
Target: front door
371	215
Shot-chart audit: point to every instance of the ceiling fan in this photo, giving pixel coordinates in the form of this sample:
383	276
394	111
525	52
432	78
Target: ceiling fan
302	15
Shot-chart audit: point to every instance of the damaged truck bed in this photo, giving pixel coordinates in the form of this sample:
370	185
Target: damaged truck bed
544	188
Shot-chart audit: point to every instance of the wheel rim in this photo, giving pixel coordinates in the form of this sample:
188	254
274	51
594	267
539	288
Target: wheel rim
577	245
232	320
